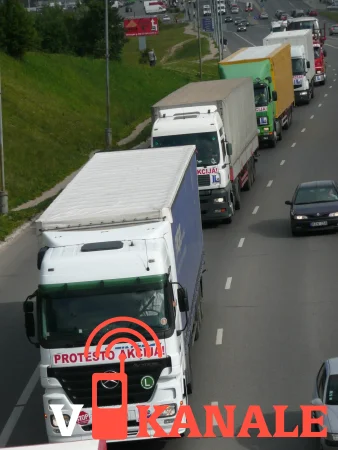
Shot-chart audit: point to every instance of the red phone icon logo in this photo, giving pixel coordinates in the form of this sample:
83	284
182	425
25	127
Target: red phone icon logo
110	423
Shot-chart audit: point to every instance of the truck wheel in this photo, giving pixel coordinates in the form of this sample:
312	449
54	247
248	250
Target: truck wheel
198	319
313	91
237	197
280	136
323	82
273	143
308	98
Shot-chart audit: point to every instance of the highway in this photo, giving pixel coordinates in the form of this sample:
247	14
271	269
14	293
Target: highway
270	299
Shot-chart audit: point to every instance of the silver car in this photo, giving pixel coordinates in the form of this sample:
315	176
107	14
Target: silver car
326	393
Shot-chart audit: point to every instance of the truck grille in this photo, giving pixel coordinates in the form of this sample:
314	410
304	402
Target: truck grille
204	180
77	382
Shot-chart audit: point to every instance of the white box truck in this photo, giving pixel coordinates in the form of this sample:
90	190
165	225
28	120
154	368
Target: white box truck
219	117
303	62
154	7
123	239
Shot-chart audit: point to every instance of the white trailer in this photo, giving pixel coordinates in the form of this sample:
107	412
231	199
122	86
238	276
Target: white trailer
303	62
219	117
123	240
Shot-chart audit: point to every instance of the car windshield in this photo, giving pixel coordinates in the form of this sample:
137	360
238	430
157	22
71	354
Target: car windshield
306	195
72	313
261	98
298	66
316	51
306	25
207	147
332	390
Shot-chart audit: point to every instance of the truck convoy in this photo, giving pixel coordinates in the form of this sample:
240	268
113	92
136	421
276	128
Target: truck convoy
271	72
123	239
303	63
320	63
219	118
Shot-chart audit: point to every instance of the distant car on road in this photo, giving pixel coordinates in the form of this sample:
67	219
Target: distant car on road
314	206
235	10
241	27
228	19
245	22
333	30
326	393
297	13
238	20
166	18
248	7
263	15
312	13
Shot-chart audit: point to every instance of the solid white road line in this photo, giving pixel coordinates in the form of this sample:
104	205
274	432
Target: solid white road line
228	283
270	183
253	45
18	409
293	145
303	130
282	162
312	117
255	210
219	336
241	242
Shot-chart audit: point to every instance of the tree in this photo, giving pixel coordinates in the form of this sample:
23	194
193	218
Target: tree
52	28
19	34
91	31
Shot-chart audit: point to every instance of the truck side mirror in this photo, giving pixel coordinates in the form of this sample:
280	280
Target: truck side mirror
308	65
288	203
274	96
229	148
28	308
182	297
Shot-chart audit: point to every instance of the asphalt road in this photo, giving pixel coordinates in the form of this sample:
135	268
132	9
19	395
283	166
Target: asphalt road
278	315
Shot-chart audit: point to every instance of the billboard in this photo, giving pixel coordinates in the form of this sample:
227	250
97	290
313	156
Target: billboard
145	26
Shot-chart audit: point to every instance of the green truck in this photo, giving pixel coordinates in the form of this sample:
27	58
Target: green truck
270	68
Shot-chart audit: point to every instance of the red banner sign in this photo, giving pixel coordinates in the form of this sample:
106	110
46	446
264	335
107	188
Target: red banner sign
146	26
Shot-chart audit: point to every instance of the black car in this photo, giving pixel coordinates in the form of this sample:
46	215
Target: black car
228	19
244	22
314	207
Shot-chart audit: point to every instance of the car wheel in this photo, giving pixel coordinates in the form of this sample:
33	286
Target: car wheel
295	233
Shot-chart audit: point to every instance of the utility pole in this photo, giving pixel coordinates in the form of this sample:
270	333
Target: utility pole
108	129
3	193
199	36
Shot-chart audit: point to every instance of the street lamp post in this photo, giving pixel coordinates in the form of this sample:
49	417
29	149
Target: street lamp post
108	129
199	36
3	193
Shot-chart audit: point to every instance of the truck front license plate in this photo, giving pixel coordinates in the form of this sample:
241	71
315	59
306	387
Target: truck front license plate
318	78
318	224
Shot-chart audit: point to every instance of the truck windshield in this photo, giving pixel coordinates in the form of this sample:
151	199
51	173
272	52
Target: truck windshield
71	314
261	96
298	66
207	146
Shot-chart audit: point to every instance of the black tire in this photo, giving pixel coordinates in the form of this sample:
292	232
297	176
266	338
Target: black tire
295	233
237	197
228	220
273	143
198	320
248	184
307	101
313	91
280	136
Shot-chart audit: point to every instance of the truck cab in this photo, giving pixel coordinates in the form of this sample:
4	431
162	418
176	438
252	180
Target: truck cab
308	23
277	26
300	66
320	63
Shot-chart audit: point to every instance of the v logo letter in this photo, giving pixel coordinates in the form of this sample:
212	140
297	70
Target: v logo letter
64	430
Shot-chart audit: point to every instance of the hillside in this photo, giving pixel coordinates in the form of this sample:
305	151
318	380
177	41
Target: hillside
54	111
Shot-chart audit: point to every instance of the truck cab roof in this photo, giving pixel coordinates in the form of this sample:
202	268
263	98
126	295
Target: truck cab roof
297	51
70	260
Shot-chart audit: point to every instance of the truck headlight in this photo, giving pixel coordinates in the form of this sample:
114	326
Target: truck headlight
333	214
169	411
53	421
300	217
219	200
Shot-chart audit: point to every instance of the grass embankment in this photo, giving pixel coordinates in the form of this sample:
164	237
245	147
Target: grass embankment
54	112
330	15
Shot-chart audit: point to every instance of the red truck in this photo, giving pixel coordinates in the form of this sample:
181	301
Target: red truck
320	63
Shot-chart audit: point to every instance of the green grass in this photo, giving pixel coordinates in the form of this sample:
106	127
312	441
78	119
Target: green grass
330	15
15	219
54	111
190	50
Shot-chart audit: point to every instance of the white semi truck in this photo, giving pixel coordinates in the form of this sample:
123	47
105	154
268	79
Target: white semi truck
123	239
219	117
303	62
